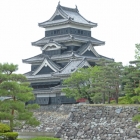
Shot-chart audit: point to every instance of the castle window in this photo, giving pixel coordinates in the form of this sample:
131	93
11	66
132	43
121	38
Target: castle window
66	31
61	31
58	31
78	31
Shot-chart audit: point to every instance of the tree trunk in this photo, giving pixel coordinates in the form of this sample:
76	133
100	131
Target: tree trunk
11	125
109	98
12	113
116	98
90	101
103	98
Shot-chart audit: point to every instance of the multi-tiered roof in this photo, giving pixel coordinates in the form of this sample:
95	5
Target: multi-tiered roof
67	46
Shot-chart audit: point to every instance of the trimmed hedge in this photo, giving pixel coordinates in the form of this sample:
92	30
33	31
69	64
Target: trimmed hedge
5	133
9	135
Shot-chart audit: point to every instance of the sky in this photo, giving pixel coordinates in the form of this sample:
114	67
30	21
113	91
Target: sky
118	25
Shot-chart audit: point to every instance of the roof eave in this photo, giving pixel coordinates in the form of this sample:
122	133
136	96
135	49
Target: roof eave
111	59
37	45
68	21
99	44
31	62
69	40
52	24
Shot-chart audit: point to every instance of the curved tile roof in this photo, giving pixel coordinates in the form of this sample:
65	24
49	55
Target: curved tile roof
67	38
70	14
37	58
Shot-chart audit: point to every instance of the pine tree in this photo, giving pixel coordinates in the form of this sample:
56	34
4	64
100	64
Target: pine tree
107	83
131	82
137	52
15	87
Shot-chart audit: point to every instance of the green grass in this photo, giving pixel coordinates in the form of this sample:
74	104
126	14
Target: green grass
40	138
111	105
44	138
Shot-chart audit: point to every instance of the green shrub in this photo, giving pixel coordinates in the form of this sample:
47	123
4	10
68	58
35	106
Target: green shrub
4	128
136	118
9	135
44	138
5	133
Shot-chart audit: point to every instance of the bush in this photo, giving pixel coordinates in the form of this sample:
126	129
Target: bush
136	118
9	135
4	128
5	133
44	138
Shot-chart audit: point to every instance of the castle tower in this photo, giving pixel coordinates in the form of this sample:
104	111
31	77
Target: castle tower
67	46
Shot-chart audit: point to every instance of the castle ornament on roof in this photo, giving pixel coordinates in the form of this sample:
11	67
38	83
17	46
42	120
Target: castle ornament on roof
67	46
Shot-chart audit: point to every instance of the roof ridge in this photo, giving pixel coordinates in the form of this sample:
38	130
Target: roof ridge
74	10
86	19
62	12
68	8
82	47
54	64
83	59
66	65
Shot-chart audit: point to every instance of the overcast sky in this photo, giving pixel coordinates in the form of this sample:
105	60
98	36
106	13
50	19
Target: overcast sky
118	25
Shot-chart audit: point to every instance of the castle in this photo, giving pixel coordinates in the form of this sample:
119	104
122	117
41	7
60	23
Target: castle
67	46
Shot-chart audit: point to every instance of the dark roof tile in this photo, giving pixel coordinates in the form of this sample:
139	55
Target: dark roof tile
68	37
70	14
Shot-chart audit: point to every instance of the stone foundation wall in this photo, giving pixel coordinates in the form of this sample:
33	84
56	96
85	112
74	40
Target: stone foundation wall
88	122
100	122
51	117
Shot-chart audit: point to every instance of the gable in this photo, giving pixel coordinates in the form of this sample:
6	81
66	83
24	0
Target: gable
57	17
45	70
46	67
51	46
88	50
89	53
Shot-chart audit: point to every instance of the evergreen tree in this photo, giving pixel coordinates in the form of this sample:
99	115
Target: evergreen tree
137	52
78	84
107	83
131	82
16	87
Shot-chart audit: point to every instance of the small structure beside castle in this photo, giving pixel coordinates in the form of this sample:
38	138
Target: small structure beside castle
67	46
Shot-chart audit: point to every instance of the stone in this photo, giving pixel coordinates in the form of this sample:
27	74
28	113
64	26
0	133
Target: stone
86	128
58	135
80	133
132	134
103	137
118	110
89	132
